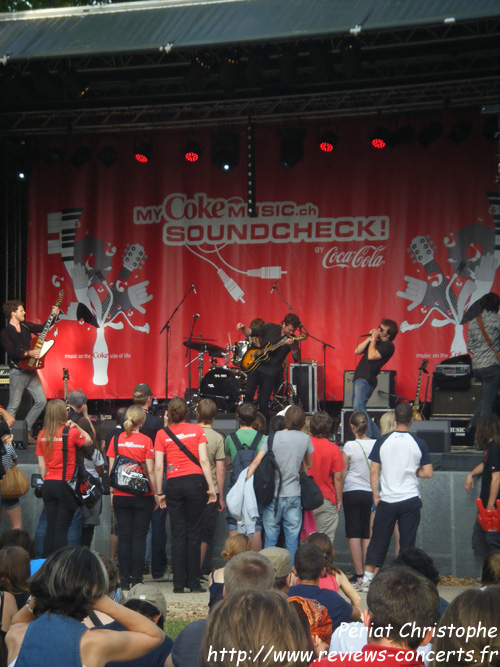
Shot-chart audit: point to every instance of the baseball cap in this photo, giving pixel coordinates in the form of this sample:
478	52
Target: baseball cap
150	594
142	391
279	559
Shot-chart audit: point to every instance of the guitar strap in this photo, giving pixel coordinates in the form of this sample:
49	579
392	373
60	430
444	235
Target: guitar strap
487	337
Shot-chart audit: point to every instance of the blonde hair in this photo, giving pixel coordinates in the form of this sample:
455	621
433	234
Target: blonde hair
134	418
236	544
55	417
387	422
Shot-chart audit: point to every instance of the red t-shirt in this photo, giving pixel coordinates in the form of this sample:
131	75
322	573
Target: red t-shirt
178	464
135	446
327	460
54	460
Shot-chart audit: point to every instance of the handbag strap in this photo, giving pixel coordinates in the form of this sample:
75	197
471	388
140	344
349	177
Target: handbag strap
65	434
487	337
181	446
364	454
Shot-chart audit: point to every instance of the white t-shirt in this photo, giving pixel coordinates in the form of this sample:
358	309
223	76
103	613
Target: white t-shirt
358	471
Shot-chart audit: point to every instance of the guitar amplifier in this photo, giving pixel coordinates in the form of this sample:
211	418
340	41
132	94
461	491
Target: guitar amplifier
4	376
307	381
386	385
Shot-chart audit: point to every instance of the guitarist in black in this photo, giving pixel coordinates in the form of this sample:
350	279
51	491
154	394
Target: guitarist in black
16	340
265	373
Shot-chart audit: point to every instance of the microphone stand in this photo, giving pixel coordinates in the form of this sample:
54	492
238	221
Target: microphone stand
188	352
324	345
167	327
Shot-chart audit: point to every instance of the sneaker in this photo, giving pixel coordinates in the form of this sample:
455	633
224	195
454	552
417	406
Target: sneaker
178	590
198	589
353	579
164	577
361	586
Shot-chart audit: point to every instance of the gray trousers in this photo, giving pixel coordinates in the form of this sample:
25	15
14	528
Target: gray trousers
19	381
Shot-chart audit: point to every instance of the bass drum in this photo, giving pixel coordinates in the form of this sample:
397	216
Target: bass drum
239	349
222	386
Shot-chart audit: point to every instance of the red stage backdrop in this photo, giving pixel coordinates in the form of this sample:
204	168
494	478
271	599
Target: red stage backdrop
350	238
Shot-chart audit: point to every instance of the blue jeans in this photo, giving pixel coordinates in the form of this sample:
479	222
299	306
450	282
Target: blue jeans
361	392
289	513
19	381
490	379
74	532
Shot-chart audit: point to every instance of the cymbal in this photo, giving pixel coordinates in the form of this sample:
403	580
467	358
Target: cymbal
200	339
201	346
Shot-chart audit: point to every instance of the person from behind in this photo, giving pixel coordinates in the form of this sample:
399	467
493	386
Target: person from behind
467	644
327	469
402	607
314	617
261	623
422	563
12	506
309	566
48	631
236	543
206	412
357	496
490	575
246	571
282	564
333	579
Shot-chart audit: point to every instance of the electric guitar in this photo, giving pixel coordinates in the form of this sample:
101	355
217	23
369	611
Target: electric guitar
417	407
255	356
32	363
66	379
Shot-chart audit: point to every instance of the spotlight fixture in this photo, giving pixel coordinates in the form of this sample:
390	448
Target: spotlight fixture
291	146
225	149
490	128
81	155
54	155
192	151
108	156
404	134
143	152
380	138
460	131
430	133
328	142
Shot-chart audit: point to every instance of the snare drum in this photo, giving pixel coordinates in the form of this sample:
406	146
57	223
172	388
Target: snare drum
221	385
239	349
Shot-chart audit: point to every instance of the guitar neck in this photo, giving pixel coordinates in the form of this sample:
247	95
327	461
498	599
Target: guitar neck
433	267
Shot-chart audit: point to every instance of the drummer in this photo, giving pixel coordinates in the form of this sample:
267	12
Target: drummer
264	375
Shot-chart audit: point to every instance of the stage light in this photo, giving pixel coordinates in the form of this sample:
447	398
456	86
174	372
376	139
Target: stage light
225	149
380	138
490	129
291	146
54	155
460	131
192	151
108	156
80	156
404	134
430	133
328	142
144	152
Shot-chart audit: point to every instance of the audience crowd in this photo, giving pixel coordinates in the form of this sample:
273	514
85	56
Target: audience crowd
285	604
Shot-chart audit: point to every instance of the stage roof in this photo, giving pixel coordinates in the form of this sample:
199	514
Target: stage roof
182	62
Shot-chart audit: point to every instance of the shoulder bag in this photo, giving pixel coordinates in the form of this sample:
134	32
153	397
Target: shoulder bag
14	483
128	475
85	488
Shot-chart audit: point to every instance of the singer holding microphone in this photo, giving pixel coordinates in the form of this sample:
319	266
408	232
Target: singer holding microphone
263	377
376	349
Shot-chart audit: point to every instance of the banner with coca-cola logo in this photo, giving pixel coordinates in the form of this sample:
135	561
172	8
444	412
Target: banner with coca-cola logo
148	254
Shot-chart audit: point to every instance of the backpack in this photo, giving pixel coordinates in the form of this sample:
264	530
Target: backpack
264	476
244	456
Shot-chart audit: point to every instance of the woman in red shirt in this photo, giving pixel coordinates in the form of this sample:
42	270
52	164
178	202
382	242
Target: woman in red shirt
57	498
188	483
133	513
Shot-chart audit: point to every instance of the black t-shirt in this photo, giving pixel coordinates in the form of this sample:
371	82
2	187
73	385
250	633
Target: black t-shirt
491	462
368	370
16	343
271	333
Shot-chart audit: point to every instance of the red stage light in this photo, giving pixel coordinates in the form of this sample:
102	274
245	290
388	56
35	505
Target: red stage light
380	138
378	143
328	142
192	152
143	153
326	147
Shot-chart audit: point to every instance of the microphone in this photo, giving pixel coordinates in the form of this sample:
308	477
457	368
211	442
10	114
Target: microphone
363	335
195	316
194	289
274	286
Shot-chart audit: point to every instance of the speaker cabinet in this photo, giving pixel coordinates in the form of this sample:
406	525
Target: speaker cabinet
20	433
307	380
386	385
436	434
456	402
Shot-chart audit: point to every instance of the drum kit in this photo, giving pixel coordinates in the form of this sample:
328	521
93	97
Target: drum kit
225	381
